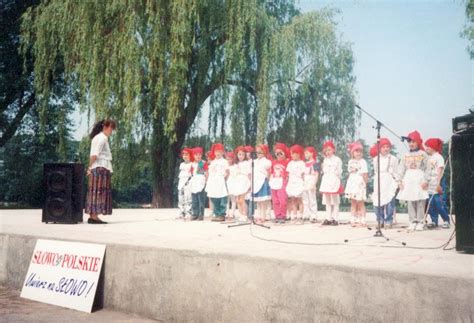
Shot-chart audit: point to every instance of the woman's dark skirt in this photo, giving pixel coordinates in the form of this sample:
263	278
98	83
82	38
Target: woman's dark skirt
99	192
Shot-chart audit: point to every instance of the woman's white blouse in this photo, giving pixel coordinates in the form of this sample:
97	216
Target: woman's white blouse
100	148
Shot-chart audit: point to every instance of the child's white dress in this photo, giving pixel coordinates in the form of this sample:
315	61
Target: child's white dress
216	185
331	180
295	170
238	182
388	183
356	188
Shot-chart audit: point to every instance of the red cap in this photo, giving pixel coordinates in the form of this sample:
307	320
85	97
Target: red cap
385	141
197	150
313	152
264	148
189	151
435	144
282	147
416	137
373	151
355	146
230	154
248	149
240	148
215	147
210	155
298	150
329	144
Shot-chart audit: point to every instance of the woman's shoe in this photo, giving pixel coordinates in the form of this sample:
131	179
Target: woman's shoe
95	221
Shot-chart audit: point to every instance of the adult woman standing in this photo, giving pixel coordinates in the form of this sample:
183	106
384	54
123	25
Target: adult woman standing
99	192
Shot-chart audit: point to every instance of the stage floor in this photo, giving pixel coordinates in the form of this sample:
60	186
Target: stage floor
309	243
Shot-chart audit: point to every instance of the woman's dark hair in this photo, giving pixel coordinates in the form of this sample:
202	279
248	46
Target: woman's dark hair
99	126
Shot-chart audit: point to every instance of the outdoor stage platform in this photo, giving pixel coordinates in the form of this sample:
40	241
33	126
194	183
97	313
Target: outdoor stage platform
173	270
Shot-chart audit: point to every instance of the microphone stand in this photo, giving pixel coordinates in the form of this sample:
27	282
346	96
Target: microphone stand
378	126
252	205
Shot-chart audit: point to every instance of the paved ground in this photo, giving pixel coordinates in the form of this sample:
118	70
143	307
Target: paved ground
16	309
310	243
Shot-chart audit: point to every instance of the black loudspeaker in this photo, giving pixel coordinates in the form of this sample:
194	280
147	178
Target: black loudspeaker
463	189
63	187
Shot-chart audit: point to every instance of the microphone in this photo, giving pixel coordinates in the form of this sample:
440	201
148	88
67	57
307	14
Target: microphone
406	139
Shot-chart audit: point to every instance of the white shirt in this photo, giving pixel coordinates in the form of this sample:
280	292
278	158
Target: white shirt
435	162
244	167
216	185
296	169
185	172
388	164
332	165
357	166
262	165
100	148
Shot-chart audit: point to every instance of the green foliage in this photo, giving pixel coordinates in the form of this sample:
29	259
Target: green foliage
23	156
16	88
468	31
314	96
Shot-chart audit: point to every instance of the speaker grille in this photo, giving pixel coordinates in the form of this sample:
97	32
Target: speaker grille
463	189
63	200
58	181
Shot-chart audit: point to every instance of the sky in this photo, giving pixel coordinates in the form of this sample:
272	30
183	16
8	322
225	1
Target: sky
412	69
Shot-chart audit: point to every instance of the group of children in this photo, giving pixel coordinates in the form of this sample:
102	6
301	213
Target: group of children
285	184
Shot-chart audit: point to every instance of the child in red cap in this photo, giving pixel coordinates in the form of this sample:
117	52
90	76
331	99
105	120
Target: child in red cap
278	181
184	187
331	183
231	185
356	186
436	204
216	182
260	188
311	176
413	181
296	169
198	182
388	183
241	185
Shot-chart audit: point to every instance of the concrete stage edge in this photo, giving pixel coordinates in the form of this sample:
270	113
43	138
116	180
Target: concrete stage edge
167	270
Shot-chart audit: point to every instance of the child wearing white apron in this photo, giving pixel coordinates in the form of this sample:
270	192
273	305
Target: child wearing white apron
296	169
413	181
216	182
311	176
260	187
356	186
232	183
331	183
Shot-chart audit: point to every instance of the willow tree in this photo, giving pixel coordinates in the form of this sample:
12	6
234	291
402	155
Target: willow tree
151	64
311	91
315	100
468	30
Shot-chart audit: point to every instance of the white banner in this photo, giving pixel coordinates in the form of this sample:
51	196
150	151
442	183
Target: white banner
64	273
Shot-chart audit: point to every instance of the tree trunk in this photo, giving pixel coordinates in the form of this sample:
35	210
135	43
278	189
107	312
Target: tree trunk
165	157
9	131
164	161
